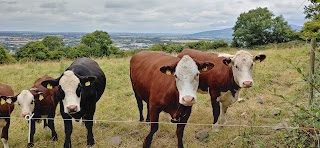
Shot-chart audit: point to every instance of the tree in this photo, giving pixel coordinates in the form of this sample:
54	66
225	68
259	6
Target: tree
99	41
52	42
5	57
33	51
258	27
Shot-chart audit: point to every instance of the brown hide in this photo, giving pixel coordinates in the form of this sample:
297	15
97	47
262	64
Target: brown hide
6	109
49	101
158	89
150	83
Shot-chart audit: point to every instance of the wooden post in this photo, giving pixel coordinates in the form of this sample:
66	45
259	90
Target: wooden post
311	72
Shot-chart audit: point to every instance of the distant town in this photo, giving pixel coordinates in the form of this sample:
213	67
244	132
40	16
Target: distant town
12	40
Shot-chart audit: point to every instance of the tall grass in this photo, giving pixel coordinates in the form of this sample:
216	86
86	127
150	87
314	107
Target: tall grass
118	104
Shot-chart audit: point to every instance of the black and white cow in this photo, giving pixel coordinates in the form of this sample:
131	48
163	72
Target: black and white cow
79	89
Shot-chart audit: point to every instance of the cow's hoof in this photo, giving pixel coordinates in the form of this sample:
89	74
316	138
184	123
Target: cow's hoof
90	142
55	138
30	145
216	128
67	145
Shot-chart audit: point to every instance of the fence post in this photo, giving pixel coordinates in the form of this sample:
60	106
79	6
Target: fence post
311	67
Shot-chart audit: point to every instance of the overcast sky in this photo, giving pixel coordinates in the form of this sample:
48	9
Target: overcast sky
163	16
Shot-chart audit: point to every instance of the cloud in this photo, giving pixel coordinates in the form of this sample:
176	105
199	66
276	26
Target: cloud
181	16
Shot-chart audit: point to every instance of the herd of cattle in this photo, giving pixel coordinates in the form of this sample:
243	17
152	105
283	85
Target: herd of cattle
166	83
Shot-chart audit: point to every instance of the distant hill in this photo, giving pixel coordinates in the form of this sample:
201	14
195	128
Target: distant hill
222	34
296	27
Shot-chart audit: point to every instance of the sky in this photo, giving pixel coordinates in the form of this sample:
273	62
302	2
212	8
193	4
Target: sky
137	16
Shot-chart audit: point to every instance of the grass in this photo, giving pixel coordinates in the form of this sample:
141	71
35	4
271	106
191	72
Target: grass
118	104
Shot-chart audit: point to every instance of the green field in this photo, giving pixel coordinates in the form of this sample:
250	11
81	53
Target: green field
118	104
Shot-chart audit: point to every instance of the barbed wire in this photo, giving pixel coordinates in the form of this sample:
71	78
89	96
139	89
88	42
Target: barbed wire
170	123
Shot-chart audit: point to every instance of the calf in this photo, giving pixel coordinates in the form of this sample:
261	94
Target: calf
6	108
79	89
225	81
167	84
41	102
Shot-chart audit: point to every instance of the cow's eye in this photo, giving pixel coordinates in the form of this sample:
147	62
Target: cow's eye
19	104
32	102
236	66
78	91
175	76
197	75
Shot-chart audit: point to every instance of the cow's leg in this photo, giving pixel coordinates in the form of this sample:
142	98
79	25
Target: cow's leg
154	116
140	105
215	106
89	124
33	130
223	111
148	113
4	134
67	131
181	125
45	125
51	126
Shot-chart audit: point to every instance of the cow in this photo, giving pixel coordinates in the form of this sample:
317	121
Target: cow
224	82
42	103
79	88
167	84
6	108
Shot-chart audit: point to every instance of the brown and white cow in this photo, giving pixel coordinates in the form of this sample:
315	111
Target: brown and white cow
40	101
167	84
6	108
224	81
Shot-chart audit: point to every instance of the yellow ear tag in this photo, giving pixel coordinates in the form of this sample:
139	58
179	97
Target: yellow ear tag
2	101
41	97
205	69
49	86
168	72
87	83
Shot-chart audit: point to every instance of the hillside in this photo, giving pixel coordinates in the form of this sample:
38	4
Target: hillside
117	110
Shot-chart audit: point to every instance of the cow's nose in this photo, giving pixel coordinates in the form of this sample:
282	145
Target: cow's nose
247	84
24	114
188	100
72	108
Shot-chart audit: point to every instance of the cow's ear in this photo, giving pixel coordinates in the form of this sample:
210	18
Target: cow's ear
87	81
168	70
260	57
49	84
227	61
7	99
39	96
204	66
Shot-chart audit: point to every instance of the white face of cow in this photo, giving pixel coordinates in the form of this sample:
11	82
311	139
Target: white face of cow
70	84
26	102
187	80
242	67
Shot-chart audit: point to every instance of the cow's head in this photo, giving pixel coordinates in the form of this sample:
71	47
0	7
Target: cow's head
4	102
242	65
186	73
26	100
70	87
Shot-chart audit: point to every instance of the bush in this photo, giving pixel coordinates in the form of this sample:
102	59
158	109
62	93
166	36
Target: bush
33	51
5	57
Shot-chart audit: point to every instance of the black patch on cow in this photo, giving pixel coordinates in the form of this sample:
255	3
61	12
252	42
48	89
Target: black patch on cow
79	90
60	93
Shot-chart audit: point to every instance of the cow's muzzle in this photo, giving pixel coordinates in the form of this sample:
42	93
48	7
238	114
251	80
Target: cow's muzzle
72	109
247	84
188	101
